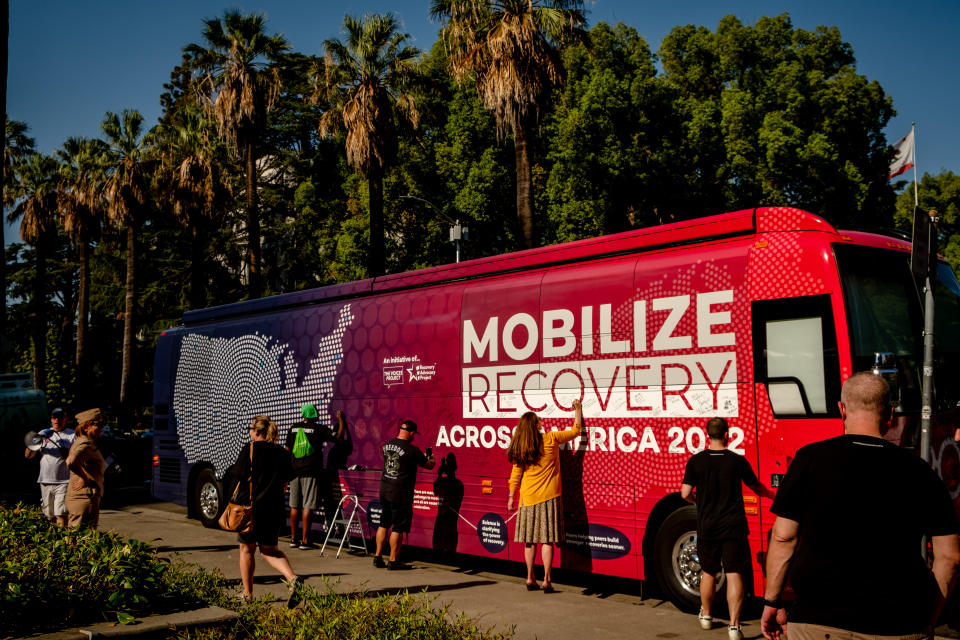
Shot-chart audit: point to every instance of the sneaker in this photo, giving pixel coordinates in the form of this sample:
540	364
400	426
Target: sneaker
294	587
396	565
378	562
706	622
293	543
307	545
734	633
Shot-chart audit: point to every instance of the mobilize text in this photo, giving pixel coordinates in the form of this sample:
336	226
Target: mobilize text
628	379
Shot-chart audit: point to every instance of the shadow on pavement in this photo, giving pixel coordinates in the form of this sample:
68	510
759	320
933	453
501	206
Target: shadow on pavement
429	588
209	547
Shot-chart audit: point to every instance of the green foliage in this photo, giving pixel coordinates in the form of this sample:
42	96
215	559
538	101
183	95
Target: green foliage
326	615
940	192
51	576
736	117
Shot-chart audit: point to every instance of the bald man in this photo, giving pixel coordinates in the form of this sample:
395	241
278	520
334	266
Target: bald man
851	513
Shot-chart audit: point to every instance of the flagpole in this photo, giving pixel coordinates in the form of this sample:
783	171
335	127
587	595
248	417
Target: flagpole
916	197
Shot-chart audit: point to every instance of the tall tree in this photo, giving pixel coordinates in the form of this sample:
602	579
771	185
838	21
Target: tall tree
192	181
80	206
367	80
509	47
126	195
34	191
17	145
240	81
776	115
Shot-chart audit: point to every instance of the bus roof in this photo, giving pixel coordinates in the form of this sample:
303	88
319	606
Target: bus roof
726	225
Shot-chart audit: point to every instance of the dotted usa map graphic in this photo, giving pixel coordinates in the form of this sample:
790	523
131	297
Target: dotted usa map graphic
222	383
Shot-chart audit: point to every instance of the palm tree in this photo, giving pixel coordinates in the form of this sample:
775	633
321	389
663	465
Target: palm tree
17	145
191	160
80	207
240	81
126	197
509	48
34	193
366	78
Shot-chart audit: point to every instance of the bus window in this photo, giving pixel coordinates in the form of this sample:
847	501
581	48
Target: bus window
947	338
883	313
795	355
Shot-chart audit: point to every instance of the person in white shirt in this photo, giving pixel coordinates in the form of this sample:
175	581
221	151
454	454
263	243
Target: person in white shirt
54	475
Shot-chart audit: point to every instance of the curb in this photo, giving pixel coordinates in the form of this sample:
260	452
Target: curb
149	627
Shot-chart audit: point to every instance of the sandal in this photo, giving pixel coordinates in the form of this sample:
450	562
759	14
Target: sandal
548	588
533	586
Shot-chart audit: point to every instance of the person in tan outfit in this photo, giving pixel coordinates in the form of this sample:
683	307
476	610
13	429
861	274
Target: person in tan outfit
87	467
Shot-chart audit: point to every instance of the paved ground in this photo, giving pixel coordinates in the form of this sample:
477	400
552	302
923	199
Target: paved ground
493	595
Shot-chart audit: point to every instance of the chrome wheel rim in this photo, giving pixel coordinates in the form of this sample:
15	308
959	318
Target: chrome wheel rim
686	563
209	500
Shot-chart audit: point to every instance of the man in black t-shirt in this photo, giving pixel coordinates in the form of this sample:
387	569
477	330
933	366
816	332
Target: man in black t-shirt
717	474
851	514
400	461
305	442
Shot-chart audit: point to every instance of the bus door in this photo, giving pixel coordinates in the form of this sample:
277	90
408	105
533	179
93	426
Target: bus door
797	382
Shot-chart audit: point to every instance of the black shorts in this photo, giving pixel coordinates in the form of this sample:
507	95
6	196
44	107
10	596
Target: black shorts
265	532
398	515
732	554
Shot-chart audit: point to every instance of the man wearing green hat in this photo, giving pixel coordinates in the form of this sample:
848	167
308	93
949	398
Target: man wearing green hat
305	443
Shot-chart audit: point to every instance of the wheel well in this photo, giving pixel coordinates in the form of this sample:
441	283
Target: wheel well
667	505
192	486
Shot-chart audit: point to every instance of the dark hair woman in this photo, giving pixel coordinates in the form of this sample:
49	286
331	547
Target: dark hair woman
271	470
87	467
536	472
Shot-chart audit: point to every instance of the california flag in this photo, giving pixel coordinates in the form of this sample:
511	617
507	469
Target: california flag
904	158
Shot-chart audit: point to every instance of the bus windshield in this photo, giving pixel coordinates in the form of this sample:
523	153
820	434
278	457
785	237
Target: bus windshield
885	315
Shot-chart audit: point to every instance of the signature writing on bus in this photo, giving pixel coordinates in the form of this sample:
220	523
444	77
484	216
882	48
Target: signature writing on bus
649	370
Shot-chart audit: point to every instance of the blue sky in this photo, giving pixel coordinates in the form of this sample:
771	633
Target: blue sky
71	61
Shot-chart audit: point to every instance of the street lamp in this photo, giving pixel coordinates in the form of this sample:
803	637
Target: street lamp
457	231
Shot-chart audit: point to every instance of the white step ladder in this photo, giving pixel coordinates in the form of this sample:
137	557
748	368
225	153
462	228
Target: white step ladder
348	523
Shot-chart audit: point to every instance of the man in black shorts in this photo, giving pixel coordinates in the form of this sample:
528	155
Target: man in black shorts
307	488
400	462
722	528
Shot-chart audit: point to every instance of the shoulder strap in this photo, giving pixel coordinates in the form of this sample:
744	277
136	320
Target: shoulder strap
250	477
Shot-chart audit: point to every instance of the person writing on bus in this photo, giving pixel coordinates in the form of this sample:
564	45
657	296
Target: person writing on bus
267	465
717	473
851	514
305	443
400	461
536	473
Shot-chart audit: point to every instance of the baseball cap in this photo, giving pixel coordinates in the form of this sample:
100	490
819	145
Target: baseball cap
58	413
308	411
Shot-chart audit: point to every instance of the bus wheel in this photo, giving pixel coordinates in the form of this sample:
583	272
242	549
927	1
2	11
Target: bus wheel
208	498
676	560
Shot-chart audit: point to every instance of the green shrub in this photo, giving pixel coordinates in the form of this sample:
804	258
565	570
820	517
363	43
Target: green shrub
326	615
50	576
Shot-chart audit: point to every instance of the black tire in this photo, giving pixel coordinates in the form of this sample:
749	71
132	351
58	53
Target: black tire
208	498
676	560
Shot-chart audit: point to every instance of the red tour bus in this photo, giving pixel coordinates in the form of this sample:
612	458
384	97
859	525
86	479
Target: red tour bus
757	316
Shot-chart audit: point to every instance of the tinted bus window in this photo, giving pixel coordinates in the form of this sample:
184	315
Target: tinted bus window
883	309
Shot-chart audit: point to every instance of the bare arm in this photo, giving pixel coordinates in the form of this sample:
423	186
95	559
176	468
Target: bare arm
342	421
946	567
686	492
28	454
783	543
761	490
